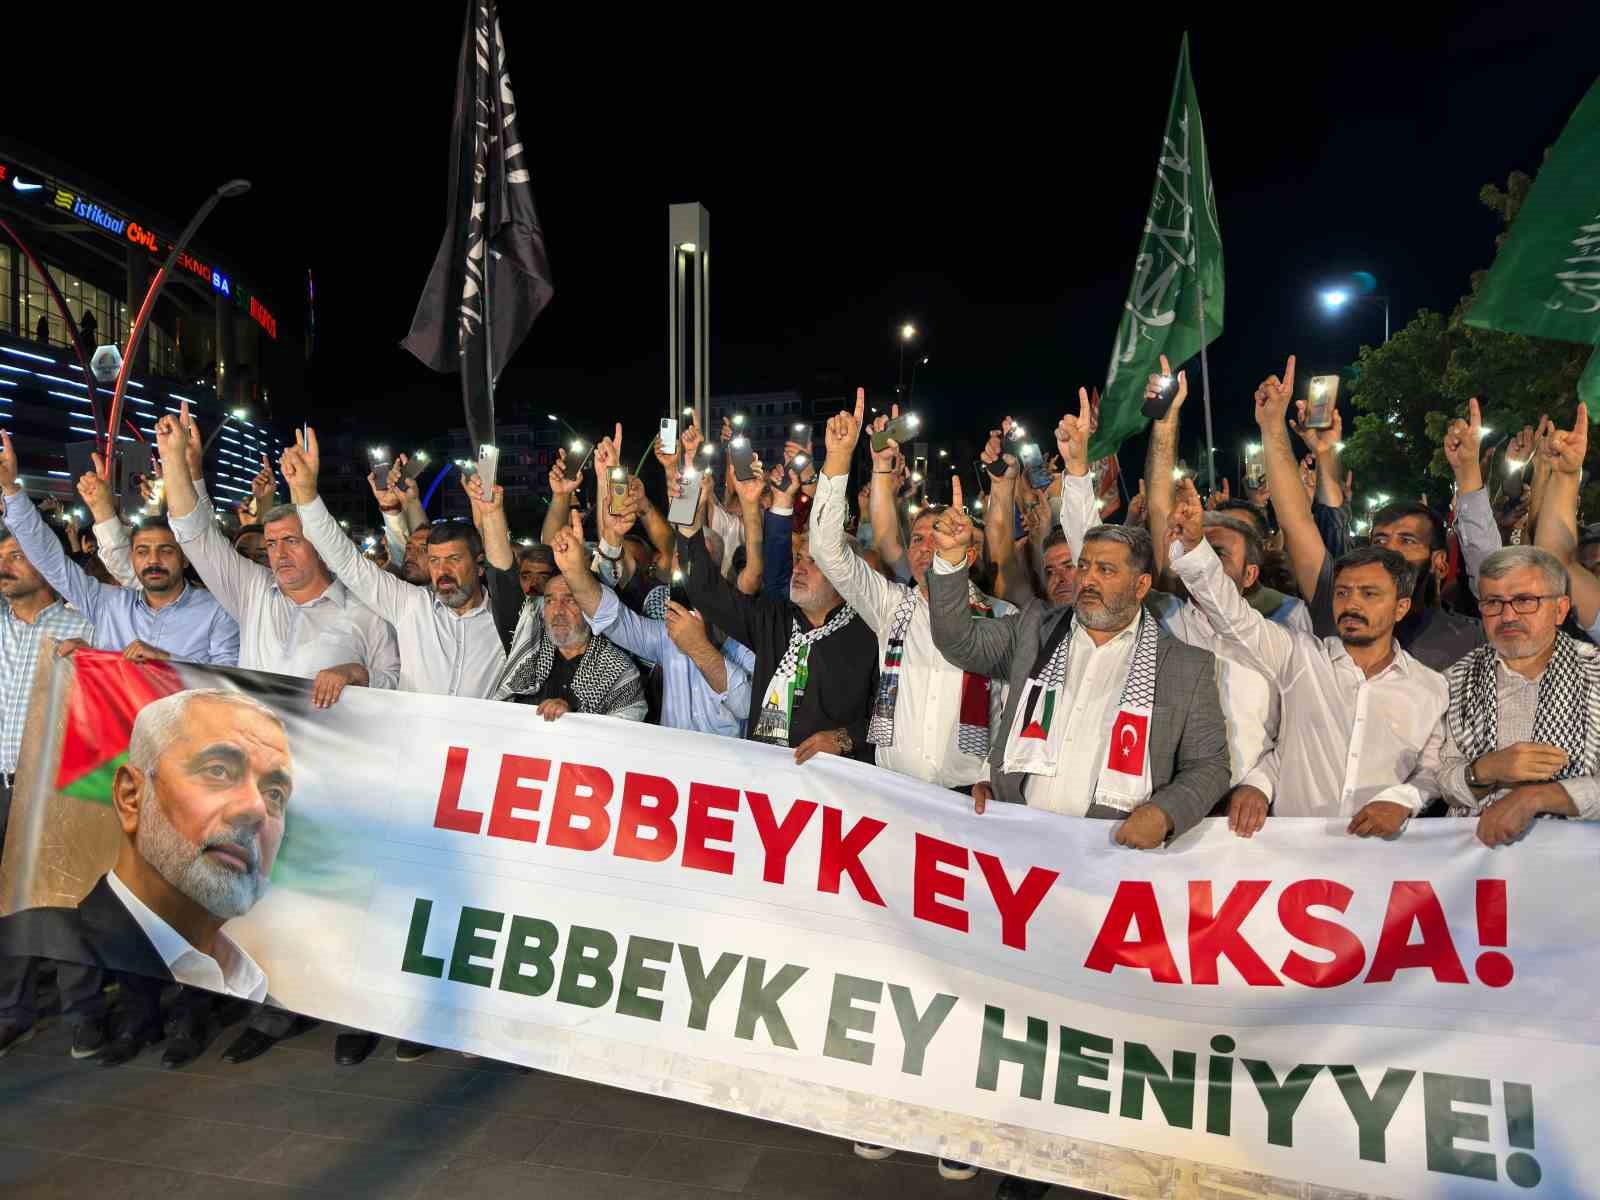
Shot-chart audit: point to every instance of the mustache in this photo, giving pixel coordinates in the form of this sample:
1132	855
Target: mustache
1353	616
245	837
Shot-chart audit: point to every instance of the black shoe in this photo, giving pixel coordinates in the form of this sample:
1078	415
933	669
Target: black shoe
410	1051
89	1039
351	1049
1012	1188
182	1049
250	1044
955	1171
124	1048
14	1034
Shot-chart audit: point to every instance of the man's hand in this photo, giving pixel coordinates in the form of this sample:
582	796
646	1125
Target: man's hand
299	466
1524	762
1187	521
568	549
1153	386
686	628
1323	442
194	449
749	490
1247	810
171	440
8	466
952	532
264	487
552	710
138	651
1072	435
982	793
691	439
1138	507
840	436
1381	818
1520	449
1564	449
884	460
329	685
560	485
829	741
389	497
69	647
608	454
1509	817
786	484
96	495
1461	448
1145	828
493	502
1273	396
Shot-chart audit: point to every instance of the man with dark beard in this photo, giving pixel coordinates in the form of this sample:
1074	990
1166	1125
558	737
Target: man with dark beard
1360	731
1429	633
165	618
201	800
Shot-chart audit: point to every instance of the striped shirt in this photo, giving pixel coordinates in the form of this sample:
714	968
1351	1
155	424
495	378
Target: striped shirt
19	657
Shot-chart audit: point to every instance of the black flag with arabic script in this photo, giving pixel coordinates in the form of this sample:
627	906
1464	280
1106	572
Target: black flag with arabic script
491	269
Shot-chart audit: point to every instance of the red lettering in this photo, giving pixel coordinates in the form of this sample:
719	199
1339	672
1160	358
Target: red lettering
1135	901
450	814
656	817
581	791
929	883
777	840
842	854
511	794
1212	937
1349	956
699	826
1412	902
1016	908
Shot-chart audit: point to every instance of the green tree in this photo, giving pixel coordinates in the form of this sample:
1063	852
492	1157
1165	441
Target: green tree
1408	391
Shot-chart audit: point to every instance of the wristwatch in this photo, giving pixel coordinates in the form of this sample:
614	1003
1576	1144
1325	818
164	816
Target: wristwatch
1472	776
846	742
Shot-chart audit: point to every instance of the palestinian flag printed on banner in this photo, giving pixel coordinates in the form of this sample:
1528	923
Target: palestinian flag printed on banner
107	697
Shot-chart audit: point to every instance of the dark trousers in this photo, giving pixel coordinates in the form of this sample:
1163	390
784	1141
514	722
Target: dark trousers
82	987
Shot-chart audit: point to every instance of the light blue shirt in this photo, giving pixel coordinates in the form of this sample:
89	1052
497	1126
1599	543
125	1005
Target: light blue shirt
687	699
193	627
19	659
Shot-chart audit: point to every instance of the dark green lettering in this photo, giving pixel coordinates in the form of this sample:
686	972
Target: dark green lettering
1372	1113
531	943
703	988
1444	1124
996	1048
759	1003
638	972
917	1031
470	945
1174	1093
844	1018
1281	1100
590	953
1073	1063
414	960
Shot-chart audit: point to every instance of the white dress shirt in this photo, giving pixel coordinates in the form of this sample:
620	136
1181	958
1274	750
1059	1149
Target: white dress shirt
1095	675
232	972
1517	698
441	653
275	633
927	711
1344	740
1476	532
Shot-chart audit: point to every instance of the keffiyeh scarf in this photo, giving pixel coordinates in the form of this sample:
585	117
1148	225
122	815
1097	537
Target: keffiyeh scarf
1034	741
972	736
791	677
605	681
1568	713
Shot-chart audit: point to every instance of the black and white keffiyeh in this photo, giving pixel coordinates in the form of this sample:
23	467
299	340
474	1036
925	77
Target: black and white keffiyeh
605	681
1568	712
776	714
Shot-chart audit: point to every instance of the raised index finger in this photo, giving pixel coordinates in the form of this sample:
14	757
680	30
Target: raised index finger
861	402
1288	375
955	492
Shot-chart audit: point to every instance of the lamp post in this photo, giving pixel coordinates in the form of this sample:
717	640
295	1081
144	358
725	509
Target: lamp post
912	394
908	331
1333	299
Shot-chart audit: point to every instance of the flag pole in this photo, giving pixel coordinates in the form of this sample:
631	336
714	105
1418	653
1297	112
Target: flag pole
492	142
1205	396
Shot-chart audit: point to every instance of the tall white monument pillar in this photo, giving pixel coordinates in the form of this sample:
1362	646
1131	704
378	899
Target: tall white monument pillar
689	313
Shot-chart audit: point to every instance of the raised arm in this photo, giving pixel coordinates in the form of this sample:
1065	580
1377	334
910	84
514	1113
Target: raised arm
1080	507
1557	530
1301	539
41	547
1160	461
561	490
372	585
883	502
864	589
490	511
747	493
983	647
110	535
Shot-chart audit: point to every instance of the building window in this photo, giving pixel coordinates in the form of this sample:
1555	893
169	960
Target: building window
5	289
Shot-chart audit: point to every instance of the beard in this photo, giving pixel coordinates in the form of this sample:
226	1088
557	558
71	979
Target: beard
220	891
1518	644
569	636
456	597
1101	615
809	595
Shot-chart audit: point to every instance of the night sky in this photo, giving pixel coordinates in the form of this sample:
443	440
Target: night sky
987	182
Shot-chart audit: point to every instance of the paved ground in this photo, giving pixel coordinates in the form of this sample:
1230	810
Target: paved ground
292	1123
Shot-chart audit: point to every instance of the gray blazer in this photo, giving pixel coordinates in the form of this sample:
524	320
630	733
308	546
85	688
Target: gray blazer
1188	738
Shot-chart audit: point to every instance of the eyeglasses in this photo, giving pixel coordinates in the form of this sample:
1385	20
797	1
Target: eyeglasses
1521	604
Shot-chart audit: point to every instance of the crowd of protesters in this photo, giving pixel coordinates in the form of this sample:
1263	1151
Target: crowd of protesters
1247	657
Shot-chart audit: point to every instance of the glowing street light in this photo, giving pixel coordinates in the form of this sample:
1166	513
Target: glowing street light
907	331
1335	298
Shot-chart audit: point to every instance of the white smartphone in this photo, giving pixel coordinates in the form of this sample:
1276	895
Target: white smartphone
488	460
682	509
669	435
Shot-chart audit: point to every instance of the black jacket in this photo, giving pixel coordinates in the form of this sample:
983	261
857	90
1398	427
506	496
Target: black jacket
100	932
843	667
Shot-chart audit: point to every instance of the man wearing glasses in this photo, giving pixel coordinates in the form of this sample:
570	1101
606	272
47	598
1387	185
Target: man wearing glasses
1524	716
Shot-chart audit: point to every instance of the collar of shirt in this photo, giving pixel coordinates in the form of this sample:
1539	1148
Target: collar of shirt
482	606
141	597
335	593
1400	664
1080	635
239	973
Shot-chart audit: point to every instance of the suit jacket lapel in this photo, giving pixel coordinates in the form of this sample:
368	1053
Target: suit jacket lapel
110	928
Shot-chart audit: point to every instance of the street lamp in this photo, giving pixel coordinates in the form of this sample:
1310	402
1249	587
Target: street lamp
907	332
1334	299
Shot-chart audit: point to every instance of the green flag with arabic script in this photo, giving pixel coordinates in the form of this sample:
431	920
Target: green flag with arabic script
1179	265
1545	281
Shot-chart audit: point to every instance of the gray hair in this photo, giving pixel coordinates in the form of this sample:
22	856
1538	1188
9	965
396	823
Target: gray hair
161	721
1140	548
1254	552
1514	558
280	512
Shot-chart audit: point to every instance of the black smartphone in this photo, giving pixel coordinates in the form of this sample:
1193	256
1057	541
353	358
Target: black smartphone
902	430
1033	464
796	466
1157	406
741	453
416	464
800	433
577	457
677	592
380	466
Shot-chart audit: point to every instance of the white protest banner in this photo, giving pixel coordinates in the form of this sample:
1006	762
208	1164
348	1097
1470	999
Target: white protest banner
840	948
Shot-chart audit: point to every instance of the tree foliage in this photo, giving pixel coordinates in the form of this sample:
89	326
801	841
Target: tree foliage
1408	391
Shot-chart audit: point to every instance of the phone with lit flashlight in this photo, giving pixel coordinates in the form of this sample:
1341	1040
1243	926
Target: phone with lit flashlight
800	434
578	454
1033	464
983	473
619	490
902	430
416	464
797	465
1255	466
742	454
1320	399
488	463
381	465
677	592
737	421
668	437
682	509
1159	403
